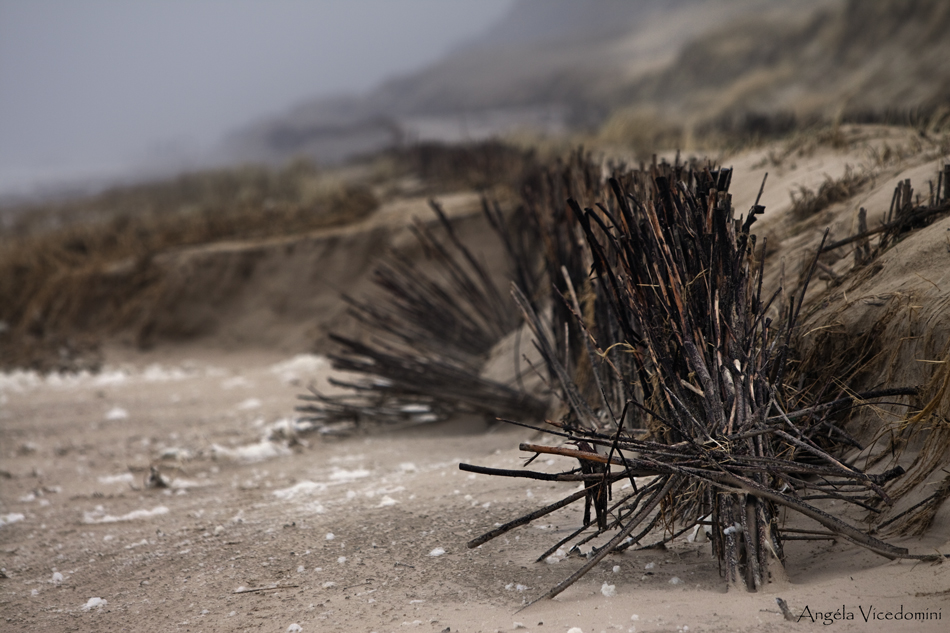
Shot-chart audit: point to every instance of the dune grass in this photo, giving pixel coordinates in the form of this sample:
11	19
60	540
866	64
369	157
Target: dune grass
53	251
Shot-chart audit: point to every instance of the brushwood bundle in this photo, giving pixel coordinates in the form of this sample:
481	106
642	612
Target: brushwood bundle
672	363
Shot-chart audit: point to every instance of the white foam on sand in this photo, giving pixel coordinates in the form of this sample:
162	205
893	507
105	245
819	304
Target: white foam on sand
300	368
13	517
342	474
265	449
94	603
301	489
124	478
99	516
20	381
117	413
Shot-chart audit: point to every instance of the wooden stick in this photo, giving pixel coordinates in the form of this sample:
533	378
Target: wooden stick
528	518
904	221
268	588
531	474
671	482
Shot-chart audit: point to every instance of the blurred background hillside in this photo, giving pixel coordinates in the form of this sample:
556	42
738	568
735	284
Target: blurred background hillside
98	93
682	69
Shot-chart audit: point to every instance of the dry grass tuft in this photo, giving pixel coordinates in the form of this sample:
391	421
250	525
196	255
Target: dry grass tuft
807	203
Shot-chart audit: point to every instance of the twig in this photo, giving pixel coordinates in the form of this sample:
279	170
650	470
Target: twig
268	588
786	612
632	524
528	518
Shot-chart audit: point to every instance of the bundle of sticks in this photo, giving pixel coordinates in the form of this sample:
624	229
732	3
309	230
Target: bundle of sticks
683	362
428	339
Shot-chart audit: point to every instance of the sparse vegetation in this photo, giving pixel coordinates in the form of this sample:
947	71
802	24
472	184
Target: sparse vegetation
806	203
67	269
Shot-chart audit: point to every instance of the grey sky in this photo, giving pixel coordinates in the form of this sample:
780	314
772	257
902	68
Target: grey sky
91	86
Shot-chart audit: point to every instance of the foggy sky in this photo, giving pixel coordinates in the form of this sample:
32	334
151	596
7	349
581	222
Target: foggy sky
100	87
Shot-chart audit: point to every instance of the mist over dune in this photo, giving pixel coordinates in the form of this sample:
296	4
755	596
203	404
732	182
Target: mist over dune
558	67
550	68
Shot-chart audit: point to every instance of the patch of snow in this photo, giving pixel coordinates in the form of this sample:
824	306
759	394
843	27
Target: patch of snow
139	544
94	603
609	591
330	536
57	578
111	377
675	581
341	559
13	517
157	373
649	566
117	413
575	629
299	367
300	489
437	552
386	502
250	403
294	628
556	556
616	569
99	516
124	478
181	484
408	467
19	380
342	474
314	507
265	449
